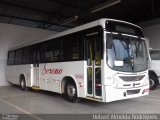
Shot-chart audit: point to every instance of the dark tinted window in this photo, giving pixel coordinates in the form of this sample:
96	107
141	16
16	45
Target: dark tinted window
72	47
26	55
18	56
11	56
36	53
66	48
52	51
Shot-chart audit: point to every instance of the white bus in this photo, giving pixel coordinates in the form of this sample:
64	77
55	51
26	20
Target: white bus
105	60
154	68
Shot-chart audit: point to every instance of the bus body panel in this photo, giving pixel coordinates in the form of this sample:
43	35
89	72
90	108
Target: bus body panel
14	72
52	74
111	92
155	66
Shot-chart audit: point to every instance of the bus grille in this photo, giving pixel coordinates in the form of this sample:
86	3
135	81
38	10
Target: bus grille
131	78
131	92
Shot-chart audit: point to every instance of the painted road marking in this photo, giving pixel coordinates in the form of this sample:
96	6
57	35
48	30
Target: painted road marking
20	109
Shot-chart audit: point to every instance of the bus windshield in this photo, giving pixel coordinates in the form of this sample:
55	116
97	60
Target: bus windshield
126	53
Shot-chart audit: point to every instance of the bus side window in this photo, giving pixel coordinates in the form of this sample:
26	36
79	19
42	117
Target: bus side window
75	50
52	51
75	53
11	56
18	56
98	51
89	53
26	55
72	46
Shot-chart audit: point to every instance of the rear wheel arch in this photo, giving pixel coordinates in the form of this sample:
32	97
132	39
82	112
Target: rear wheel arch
22	76
22	82
68	79
70	89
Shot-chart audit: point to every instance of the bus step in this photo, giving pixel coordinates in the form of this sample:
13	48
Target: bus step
35	87
95	99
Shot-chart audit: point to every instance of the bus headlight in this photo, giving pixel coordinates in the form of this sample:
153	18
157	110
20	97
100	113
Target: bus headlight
115	83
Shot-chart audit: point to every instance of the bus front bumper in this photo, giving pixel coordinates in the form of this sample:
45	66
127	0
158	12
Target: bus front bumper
113	94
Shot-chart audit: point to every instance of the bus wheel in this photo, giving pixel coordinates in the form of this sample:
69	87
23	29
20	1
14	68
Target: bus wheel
152	82
23	84
71	92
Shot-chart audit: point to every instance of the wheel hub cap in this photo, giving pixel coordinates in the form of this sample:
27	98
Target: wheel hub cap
151	82
71	91
22	84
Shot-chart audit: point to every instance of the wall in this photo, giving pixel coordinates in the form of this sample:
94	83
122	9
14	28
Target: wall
12	36
153	33
151	30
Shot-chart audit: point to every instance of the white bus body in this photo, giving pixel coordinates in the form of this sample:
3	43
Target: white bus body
154	68
83	78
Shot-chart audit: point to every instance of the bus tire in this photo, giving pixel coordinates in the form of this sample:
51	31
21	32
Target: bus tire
70	92
153	82
23	84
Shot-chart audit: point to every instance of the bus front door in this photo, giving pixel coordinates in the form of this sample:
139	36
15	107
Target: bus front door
94	53
35	67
